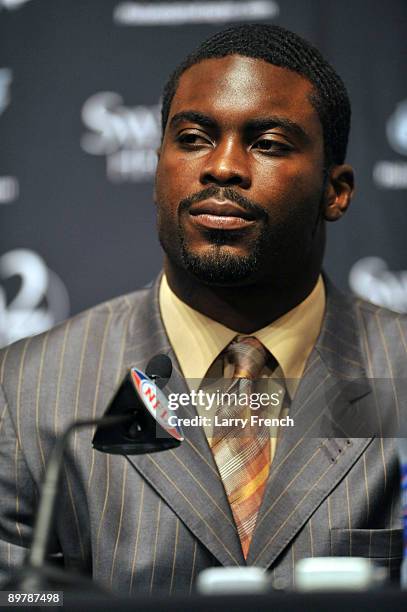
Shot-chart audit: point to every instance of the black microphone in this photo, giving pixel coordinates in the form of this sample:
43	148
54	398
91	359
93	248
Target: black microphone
150	429
159	369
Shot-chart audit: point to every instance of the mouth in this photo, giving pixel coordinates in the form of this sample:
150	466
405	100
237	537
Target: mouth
221	214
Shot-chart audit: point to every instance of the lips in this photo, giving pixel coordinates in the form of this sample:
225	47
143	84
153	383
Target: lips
215	214
220	209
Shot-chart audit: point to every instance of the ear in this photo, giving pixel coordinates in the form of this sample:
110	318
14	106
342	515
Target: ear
340	188
158	151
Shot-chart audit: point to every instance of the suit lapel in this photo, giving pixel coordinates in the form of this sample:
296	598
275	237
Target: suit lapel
311	458
186	477
314	455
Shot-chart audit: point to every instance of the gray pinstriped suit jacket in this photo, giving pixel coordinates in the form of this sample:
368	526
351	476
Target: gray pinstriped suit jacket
154	523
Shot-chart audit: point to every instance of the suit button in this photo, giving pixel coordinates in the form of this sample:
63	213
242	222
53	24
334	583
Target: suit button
280	584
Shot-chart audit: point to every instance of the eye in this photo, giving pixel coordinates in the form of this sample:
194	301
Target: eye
270	145
265	143
193	140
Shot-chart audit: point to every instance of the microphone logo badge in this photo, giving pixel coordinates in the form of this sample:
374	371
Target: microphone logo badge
155	402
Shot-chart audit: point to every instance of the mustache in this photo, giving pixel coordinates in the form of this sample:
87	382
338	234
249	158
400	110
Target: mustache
223	193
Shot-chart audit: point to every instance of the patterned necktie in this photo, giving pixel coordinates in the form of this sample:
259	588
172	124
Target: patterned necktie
243	458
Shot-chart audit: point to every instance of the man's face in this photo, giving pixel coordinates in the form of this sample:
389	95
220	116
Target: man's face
240	181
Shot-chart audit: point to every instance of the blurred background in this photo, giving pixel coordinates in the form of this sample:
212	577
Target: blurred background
80	87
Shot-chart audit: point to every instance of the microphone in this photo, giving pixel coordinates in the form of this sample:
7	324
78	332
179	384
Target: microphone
150	429
159	369
137	402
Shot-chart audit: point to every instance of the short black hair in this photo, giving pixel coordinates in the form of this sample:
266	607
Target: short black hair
286	49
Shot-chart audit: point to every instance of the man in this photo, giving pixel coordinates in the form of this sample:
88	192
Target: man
251	166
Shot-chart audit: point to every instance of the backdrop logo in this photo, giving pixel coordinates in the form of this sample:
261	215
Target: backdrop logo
5	83
397	129
12	4
176	13
127	137
393	174
8	184
371	279
41	299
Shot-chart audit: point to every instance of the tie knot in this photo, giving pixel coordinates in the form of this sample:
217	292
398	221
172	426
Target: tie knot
248	355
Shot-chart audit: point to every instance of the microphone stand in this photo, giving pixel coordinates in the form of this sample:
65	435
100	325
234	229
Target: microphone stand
127	406
36	574
46	509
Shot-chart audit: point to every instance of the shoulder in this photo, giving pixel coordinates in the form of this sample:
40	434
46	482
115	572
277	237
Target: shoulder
378	320
383	336
87	331
366	315
380	333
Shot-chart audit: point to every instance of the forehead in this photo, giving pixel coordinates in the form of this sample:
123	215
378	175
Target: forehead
237	88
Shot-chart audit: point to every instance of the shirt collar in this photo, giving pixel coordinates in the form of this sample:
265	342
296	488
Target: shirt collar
197	340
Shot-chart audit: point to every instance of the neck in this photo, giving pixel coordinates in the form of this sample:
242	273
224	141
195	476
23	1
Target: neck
245	308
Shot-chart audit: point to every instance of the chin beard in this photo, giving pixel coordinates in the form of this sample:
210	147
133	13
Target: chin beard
270	256
218	265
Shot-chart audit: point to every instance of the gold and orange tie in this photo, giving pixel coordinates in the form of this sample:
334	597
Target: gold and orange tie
243	457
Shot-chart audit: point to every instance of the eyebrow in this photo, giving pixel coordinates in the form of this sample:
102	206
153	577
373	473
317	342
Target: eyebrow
193	116
260	124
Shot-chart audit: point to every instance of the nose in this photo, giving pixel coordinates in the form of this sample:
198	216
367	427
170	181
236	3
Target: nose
226	165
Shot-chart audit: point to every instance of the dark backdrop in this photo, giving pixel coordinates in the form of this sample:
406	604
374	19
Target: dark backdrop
80	84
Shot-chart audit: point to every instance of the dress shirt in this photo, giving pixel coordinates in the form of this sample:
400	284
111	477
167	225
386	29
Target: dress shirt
198	341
